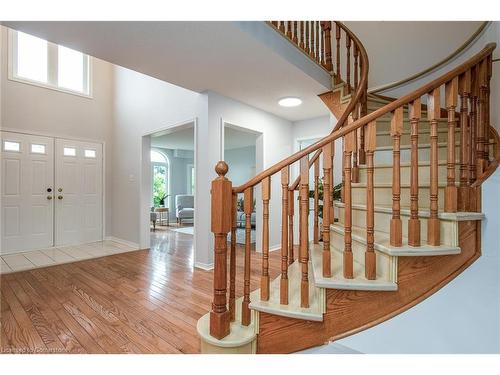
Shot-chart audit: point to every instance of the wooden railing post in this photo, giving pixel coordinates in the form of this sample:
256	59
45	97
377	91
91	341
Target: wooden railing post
304	232
347	255
473	125
327	169
450	195
301	32
414	222
266	196
337	57
463	189
291	208
318	36
282	27
285	181
232	259
396	234
433	113
327	28
289	29
481	133
308	40
295	35
248	209
332	185
316	202
220	225
348	63
370	258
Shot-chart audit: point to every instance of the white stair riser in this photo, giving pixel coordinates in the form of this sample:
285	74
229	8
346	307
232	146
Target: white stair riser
383	196
384	139
386	269
385	156
449	229
384	174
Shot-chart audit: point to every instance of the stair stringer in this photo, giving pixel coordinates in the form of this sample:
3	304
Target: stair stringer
349	312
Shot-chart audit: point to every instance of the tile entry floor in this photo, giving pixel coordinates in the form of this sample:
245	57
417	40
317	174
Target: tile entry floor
59	255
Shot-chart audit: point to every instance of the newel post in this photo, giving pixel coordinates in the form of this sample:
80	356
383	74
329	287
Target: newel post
221	225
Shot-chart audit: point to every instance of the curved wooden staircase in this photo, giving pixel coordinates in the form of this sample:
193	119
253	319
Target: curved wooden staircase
408	222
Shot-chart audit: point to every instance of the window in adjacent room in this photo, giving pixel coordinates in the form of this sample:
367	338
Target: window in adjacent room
38	62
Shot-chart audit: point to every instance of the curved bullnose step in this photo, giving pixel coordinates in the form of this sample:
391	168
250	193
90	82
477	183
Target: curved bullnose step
316	307
382	244
337	281
241	339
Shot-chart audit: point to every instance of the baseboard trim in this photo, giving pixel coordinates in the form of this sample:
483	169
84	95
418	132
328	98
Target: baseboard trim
274	248
123	242
204	266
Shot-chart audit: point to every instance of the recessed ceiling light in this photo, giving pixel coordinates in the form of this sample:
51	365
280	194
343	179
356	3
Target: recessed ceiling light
290	101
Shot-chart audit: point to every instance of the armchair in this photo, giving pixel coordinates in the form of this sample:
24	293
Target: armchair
184	207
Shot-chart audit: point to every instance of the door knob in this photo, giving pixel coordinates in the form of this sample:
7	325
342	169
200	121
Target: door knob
49	197
59	197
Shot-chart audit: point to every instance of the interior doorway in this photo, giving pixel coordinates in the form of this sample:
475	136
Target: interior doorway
170	184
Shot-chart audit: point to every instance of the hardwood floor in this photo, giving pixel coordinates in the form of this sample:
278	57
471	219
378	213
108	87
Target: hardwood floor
146	301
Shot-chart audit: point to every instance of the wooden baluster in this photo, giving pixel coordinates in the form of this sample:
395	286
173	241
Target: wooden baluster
332	185
348	63
361	151
414	221
450	194
327	170
291	203
274	23
316	202
463	190
355	55
327	27
307	40
248	208
488	71
433	114
337	61
282	27
295	35
322	37
347	256
481	134
396	233
289	29
220	226
355	169
473	126
318	36
301	32
266	196
370	258
304	231
232	260
285	180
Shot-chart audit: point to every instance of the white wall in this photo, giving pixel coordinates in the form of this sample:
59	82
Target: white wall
29	108
242	162
276	145
143	105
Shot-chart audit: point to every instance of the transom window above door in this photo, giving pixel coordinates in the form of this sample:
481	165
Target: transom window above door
38	62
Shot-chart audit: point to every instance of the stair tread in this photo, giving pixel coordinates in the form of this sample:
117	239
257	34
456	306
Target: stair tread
382	244
316	307
422	213
239	334
337	281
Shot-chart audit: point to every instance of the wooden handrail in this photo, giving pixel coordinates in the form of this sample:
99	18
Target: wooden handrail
435	66
358	96
337	133
493	164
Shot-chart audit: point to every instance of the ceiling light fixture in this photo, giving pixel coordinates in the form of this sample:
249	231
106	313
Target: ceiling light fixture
290	101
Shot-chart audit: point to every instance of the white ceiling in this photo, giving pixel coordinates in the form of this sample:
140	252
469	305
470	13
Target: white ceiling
225	57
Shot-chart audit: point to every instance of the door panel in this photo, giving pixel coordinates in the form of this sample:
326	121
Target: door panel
79	187
27	211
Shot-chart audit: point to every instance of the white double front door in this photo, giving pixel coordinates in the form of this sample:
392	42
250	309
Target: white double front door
51	191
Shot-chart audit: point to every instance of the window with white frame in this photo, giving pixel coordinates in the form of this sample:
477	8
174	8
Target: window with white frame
38	62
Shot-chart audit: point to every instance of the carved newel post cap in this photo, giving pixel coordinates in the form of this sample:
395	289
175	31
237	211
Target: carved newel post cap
221	168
